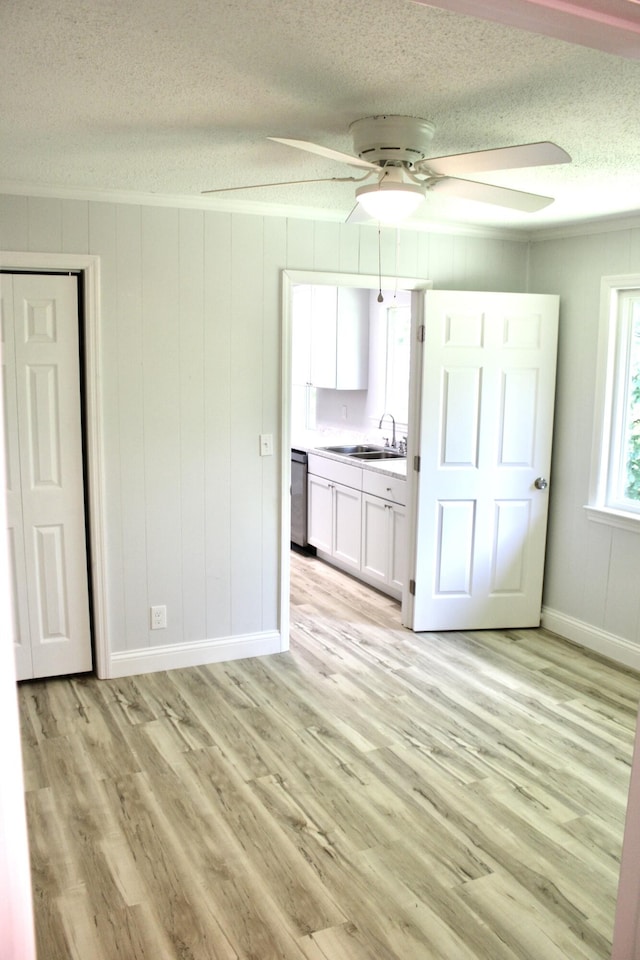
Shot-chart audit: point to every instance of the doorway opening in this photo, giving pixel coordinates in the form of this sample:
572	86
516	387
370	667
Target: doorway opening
304	403
481	418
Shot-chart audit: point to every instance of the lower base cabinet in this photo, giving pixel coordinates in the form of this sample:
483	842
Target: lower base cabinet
334	520
383	542
359	525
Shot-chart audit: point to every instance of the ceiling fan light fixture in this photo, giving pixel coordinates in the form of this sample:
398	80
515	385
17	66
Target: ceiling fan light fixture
390	201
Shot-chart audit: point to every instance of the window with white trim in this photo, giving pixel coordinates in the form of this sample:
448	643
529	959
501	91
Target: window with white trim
615	493
398	360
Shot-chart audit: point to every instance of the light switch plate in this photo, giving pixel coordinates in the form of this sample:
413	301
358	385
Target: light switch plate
266	444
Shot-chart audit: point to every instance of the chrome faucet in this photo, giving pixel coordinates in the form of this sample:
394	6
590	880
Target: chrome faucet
393	439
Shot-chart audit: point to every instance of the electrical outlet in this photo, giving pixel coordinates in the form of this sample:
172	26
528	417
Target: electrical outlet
158	618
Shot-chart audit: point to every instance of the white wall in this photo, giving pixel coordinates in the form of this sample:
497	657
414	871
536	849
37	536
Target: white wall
591	580
342	410
191	376
191	354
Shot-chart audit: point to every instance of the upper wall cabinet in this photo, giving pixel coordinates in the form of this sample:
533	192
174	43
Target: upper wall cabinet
330	346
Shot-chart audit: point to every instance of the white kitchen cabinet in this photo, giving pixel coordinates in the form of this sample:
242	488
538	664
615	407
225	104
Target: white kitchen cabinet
301	335
334	520
330	337
323	336
357	520
384	533
347	506
334	503
320	513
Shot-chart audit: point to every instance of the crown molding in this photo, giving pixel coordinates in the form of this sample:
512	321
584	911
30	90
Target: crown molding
630	220
261	209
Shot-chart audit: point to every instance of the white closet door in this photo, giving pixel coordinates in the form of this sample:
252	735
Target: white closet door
45	490
13	487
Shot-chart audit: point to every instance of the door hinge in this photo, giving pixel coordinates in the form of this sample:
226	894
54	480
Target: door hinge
416	463
421	333
412	587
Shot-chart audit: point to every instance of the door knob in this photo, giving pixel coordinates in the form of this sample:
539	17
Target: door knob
541	484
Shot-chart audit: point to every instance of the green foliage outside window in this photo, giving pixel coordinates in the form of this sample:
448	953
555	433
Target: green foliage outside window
632	490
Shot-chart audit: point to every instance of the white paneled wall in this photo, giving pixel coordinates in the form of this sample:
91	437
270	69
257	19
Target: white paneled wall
191	358
592	573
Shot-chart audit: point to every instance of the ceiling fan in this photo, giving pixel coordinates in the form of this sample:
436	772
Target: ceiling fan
393	152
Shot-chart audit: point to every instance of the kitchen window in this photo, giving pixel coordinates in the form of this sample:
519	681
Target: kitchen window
398	359
615	482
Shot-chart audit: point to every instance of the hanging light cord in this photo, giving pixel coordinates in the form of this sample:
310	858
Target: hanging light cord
380	297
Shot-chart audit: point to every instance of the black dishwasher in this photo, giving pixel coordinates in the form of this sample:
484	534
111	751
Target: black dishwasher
299	497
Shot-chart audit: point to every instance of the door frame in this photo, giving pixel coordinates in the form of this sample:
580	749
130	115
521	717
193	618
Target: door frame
364	281
88	265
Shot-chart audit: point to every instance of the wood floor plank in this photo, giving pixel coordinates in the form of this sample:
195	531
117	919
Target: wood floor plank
373	794
165	868
528	933
255	838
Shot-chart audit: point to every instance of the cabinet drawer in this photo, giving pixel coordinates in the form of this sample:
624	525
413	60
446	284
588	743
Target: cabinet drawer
347	473
382	485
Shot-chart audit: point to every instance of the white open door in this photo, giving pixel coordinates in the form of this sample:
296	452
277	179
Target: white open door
44	475
484	441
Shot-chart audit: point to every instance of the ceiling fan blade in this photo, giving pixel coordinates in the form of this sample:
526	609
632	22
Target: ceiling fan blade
489	193
503	158
326	152
284	183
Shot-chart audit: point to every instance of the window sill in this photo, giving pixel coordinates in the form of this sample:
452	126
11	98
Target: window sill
614	518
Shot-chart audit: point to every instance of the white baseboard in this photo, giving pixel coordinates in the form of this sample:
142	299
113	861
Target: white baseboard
606	644
128	663
151	659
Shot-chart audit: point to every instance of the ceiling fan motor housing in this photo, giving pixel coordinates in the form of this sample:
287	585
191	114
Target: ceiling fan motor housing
385	139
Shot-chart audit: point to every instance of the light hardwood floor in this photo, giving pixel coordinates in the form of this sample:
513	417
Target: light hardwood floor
372	795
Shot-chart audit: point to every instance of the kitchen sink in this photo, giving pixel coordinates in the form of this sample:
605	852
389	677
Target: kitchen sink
354	449
378	455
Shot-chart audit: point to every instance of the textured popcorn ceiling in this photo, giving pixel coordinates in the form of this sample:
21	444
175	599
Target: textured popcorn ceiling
173	98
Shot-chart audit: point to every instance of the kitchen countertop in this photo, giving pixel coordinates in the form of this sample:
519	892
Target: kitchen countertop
312	439
390	468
